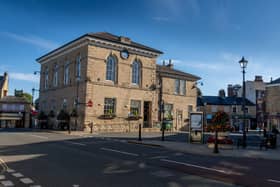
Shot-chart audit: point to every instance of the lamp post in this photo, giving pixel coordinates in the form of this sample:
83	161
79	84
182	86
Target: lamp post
77	101
243	63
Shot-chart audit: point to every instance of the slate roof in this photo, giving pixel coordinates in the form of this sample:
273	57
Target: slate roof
174	73
107	37
216	100
277	81
13	99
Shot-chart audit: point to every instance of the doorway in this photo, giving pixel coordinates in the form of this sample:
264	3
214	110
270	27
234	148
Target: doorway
179	119
147	114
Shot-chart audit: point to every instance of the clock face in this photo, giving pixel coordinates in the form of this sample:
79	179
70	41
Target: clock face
124	54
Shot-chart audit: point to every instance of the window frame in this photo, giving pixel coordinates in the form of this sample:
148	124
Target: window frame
109	106
46	78
111	69
67	73
136	73
137	108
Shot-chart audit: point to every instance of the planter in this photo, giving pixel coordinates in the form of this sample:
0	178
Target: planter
221	146
107	116
132	118
167	124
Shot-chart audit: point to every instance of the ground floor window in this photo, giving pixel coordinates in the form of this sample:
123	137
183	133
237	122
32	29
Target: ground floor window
135	107
168	110
109	105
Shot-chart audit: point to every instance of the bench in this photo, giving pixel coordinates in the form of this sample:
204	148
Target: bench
262	142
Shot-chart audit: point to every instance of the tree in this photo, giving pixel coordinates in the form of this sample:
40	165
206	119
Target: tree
27	97
199	93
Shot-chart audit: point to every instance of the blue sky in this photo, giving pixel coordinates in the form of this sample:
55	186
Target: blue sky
205	38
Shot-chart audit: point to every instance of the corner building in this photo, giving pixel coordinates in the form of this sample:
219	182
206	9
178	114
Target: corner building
120	77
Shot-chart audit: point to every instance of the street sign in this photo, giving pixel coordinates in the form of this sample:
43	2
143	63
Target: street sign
89	103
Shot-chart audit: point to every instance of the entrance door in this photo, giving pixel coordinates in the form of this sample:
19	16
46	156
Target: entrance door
147	114
179	119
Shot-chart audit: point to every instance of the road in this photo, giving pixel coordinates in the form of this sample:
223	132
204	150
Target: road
31	158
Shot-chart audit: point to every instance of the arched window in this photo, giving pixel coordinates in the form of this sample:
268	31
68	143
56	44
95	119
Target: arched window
78	66
136	72
111	68
66	73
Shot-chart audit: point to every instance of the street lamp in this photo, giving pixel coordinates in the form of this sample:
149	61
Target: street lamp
243	64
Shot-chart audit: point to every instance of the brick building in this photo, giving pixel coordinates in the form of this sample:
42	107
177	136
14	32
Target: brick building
122	80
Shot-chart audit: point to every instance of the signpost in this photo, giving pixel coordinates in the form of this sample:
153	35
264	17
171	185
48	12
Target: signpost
196	127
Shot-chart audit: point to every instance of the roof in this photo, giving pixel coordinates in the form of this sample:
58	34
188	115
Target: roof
107	37
174	73
216	100
13	99
277	81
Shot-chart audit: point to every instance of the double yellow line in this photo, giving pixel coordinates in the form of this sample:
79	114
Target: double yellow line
4	166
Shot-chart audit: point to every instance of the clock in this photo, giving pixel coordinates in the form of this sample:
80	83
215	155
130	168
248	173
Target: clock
124	54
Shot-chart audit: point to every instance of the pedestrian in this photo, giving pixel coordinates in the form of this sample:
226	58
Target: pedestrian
275	130
264	133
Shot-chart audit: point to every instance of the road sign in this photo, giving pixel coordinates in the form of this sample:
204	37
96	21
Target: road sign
89	103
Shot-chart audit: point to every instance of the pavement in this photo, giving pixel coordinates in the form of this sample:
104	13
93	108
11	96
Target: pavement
178	142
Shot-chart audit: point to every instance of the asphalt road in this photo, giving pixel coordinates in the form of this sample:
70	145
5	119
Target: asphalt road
57	160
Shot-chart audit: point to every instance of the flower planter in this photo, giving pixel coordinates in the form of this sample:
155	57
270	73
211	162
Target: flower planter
167	124
133	118
107	116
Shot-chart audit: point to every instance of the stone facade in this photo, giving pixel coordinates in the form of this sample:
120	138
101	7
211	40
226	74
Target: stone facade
94	52
272	98
4	85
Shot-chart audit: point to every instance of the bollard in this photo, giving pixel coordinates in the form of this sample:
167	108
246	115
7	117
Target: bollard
162	130
91	127
140	136
216	150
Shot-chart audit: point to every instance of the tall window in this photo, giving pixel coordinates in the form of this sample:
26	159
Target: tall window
109	106
136	72
168	110
111	68
55	75
46	78
180	87
66	73
135	107
78	66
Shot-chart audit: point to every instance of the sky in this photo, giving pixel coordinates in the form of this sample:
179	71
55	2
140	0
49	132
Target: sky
204	38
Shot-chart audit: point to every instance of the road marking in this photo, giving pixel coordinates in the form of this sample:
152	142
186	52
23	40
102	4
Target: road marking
4	166
202	167
76	185
26	180
17	175
117	151
271	180
7	183
162	173
159	157
37	136
75	143
2	177
35	186
10	170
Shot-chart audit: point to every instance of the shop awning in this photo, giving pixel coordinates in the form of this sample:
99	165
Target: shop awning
10	116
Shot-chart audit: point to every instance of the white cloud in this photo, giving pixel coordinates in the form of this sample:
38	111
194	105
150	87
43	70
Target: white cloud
24	77
33	40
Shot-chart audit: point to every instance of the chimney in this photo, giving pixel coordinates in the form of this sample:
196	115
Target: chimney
258	78
222	93
230	90
125	40
170	65
163	63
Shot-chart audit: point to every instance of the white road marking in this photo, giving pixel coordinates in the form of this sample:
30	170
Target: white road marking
202	167
75	143
35	186
37	136
2	177
4	165
271	180
26	180
10	170
76	185
7	183
159	157
17	175
117	151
